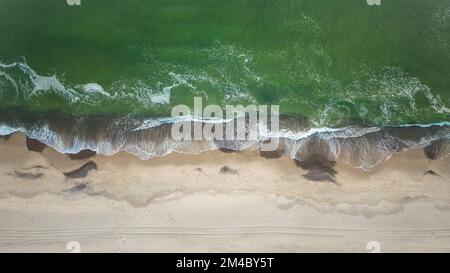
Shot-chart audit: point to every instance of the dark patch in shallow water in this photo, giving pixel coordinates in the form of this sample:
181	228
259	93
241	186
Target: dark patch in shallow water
6	137
82	171
84	154
278	153
434	150
227	150
317	162
319	176
359	147
35	145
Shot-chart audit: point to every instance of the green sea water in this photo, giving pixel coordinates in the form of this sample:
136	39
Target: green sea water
332	61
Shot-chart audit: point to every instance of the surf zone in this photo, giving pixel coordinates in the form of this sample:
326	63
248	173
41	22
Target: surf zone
249	123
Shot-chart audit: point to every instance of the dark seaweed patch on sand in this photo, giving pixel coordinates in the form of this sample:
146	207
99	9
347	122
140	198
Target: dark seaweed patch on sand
36	167
319	168
228	170
430	172
82	171
28	176
77	188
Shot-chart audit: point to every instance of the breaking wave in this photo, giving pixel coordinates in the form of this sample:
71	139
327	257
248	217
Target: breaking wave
361	147
21	86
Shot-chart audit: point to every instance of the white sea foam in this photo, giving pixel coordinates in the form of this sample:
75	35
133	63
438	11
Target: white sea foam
94	88
30	85
363	148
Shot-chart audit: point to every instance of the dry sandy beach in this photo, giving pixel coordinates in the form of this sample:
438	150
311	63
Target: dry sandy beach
218	201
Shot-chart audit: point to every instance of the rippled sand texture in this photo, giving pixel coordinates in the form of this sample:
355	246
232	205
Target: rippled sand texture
218	201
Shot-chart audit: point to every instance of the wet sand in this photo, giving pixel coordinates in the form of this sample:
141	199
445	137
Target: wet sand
219	201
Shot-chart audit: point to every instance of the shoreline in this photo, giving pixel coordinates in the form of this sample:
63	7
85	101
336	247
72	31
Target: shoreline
361	147
219	201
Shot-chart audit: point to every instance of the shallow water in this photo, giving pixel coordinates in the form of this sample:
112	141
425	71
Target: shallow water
332	64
